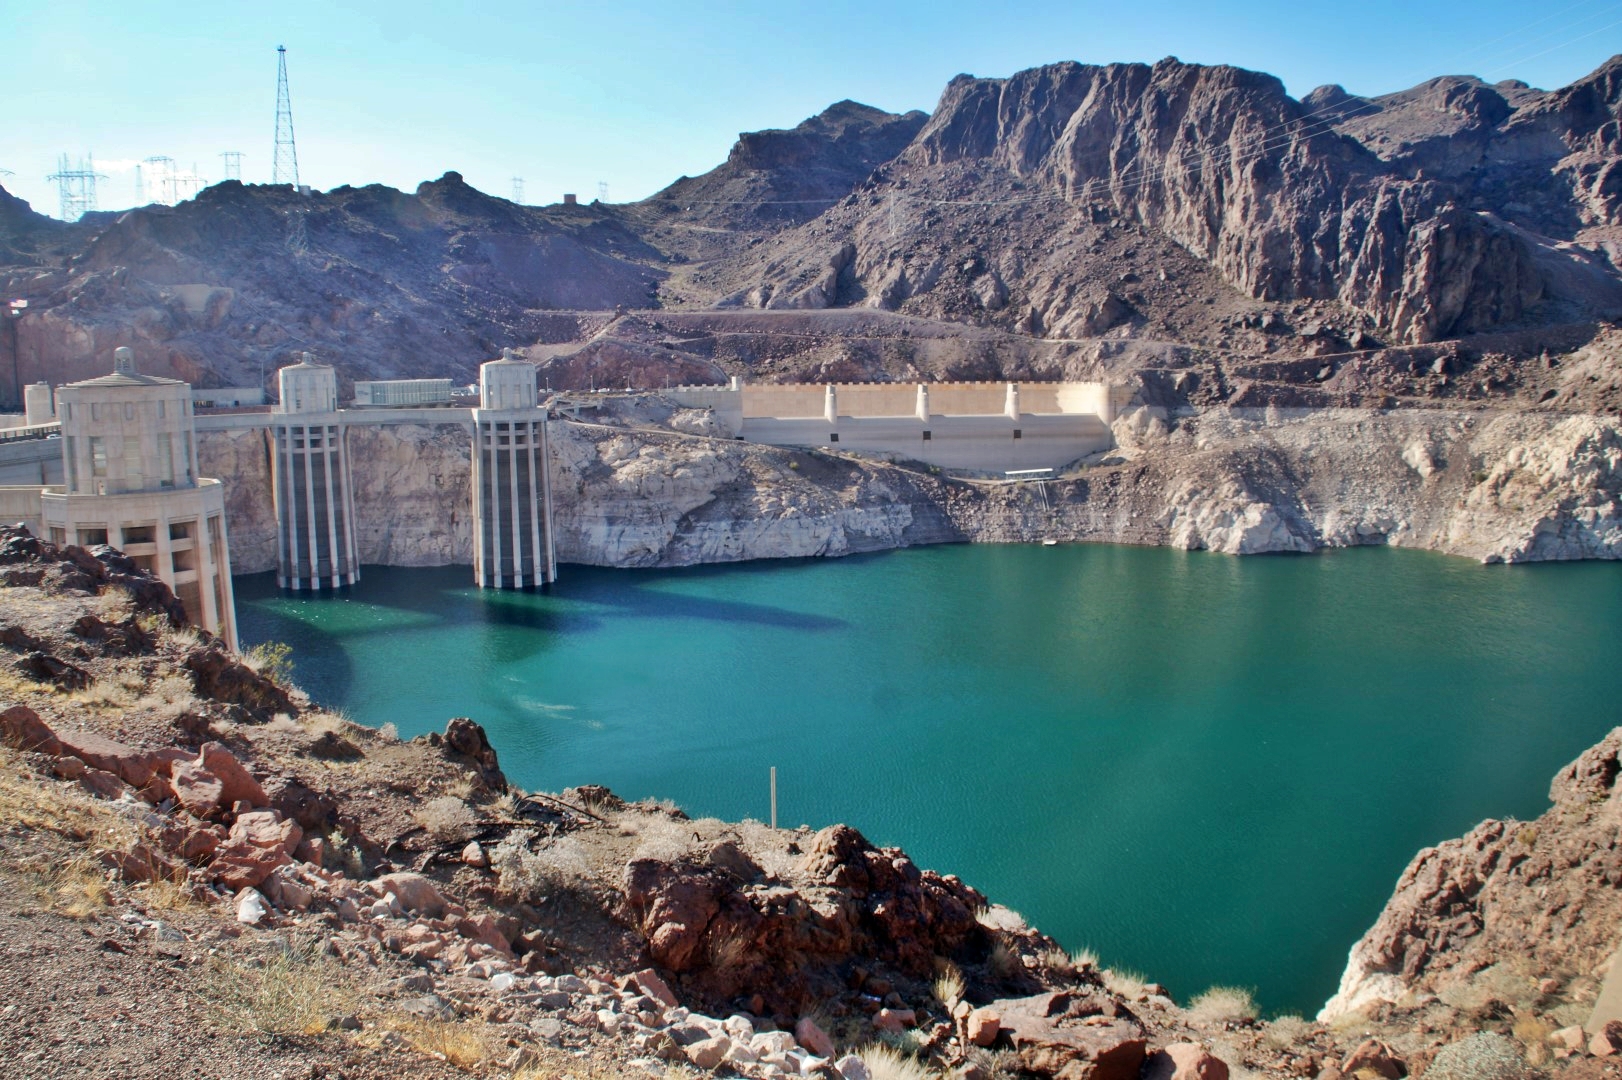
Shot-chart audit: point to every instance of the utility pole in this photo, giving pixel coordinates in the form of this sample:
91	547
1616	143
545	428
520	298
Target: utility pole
284	164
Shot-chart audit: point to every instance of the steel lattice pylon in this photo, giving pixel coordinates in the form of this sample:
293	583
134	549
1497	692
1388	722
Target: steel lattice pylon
284	168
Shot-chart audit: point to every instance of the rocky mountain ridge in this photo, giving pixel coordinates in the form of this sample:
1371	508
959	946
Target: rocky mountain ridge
1172	205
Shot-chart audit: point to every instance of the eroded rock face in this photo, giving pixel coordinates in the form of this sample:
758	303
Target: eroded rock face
1285	207
1505	890
717	921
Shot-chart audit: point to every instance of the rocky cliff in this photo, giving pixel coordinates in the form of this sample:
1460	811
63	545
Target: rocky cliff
1443	211
646	483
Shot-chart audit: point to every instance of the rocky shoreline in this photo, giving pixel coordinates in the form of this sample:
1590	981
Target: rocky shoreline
426	895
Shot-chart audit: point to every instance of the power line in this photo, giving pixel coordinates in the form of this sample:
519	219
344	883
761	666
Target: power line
284	163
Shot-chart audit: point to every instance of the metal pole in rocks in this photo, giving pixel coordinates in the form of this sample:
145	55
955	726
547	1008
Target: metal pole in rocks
774	796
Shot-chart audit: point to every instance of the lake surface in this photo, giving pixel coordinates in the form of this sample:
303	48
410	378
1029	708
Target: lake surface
1209	769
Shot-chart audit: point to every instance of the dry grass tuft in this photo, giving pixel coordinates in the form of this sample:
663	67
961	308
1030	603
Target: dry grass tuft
1057	961
292	993
885	1062
949	985
1222	1005
1083	959
998	917
1004	962
466	1044
1125	983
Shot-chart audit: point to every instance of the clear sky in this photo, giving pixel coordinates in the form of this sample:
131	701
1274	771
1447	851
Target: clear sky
637	93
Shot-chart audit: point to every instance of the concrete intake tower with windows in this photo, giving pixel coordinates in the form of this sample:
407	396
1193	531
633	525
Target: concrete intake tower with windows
129	452
313	486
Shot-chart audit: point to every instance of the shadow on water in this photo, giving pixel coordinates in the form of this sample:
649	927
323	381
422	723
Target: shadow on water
441	598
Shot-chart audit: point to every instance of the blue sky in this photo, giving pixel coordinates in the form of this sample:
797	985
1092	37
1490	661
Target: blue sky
636	94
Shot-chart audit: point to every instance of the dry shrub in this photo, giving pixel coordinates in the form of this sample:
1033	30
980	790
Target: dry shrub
1083	959
523	874
768	847
663	839
1286	1031
293	993
728	948
1221	1005
446	818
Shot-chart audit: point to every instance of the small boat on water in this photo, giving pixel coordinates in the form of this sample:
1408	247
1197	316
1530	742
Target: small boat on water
1050	543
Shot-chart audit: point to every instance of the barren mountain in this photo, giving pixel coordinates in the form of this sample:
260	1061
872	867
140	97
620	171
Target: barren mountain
1079	218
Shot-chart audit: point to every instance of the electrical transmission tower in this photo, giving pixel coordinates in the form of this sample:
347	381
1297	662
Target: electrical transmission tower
518	190
157	181
233	164
284	165
77	187
602	191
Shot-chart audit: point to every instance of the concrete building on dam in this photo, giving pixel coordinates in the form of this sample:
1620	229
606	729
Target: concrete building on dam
129	456
988	427
512	488
312	483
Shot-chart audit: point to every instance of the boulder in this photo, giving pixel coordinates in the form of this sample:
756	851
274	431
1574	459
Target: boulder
894	1021
466	740
983	1026
1184	1061
1607	1041
1376	1058
1074	1036
134	767
708	1053
102	784
22	729
198	789
220	676
236	782
811	1036
648	981
251	907
259	842
415	892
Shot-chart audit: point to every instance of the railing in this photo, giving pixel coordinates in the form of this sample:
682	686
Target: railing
23	434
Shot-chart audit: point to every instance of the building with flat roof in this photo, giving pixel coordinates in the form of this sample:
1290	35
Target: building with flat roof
397	393
129	458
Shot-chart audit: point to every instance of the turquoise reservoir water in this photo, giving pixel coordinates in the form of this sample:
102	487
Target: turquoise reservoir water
1209	769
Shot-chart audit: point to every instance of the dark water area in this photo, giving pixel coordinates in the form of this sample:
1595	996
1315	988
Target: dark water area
1209	769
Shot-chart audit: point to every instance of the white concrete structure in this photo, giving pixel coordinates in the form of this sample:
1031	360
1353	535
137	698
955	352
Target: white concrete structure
37	405
991	427
313	488
389	393
512	490
228	397
130	457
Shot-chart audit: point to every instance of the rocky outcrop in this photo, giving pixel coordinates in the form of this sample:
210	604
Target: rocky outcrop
1226	164
1539	896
